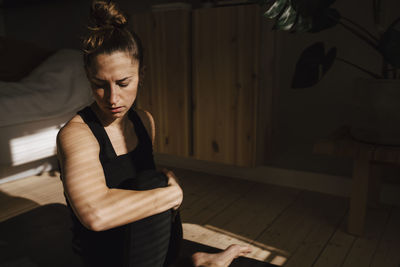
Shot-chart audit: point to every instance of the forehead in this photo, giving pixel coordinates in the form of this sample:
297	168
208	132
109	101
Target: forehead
116	65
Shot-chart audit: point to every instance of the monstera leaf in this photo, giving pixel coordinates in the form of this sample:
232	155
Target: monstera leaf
301	15
317	15
312	65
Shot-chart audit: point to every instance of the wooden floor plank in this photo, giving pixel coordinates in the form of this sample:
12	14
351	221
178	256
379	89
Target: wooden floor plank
298	229
13	206
255	211
195	186
364	247
337	248
29	188
249	216
221	193
388	252
25	194
286	226
312	246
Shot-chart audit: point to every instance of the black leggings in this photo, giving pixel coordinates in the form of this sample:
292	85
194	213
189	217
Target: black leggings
151	242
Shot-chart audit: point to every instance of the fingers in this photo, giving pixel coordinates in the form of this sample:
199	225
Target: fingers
168	173
171	176
173	181
165	171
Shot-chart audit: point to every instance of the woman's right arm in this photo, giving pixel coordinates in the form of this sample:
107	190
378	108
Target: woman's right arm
97	206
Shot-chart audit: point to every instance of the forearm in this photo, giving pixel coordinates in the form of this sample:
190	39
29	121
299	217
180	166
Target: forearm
118	206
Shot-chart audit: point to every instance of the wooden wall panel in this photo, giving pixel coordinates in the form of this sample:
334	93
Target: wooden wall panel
166	92
268	93
225	83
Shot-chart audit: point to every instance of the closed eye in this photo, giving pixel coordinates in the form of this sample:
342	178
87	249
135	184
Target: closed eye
123	84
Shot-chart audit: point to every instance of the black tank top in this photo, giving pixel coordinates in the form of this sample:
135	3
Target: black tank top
142	243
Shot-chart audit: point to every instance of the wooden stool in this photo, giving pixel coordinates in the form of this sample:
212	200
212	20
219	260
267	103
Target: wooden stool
366	182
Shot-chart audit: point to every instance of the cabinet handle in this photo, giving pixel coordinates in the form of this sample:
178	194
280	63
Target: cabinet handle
215	146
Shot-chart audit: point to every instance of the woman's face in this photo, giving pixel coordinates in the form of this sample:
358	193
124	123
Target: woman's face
114	80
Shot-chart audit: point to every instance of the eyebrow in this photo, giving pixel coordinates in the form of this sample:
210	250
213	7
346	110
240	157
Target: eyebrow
121	80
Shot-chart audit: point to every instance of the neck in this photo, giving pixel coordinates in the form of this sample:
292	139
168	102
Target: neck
109	121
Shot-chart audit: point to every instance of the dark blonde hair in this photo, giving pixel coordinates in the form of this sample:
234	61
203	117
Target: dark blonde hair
108	33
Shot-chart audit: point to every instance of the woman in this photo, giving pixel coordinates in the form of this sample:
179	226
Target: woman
105	148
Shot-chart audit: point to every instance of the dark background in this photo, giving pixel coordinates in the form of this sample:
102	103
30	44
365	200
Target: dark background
301	117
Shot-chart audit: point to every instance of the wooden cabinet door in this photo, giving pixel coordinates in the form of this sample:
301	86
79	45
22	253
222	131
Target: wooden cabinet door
166	92
225	51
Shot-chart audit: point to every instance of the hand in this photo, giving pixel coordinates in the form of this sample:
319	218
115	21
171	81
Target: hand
173	182
172	179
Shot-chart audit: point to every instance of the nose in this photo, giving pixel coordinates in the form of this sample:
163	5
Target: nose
113	94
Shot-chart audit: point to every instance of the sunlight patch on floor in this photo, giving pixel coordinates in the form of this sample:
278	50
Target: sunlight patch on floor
215	237
24	194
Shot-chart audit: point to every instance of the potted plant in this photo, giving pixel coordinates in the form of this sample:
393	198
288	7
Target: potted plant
377	106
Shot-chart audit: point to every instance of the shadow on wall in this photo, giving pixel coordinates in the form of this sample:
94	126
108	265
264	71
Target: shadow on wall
49	24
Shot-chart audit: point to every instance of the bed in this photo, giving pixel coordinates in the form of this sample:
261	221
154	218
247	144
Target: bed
35	106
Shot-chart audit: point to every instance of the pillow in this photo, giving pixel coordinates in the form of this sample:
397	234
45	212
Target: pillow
19	58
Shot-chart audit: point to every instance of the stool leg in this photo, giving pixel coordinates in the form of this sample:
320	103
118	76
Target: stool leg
374	191
359	195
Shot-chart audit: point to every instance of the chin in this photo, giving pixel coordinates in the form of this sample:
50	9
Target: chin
118	115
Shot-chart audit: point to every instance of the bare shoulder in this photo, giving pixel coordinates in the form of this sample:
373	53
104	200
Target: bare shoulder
73	127
75	134
148	122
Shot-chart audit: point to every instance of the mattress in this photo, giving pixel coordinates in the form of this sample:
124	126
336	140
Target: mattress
33	110
57	86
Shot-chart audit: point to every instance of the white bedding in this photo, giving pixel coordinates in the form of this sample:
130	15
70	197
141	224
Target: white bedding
34	109
58	86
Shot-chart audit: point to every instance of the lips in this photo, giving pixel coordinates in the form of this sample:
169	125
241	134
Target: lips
116	109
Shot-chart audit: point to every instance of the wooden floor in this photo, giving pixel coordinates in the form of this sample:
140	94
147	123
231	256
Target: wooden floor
285	226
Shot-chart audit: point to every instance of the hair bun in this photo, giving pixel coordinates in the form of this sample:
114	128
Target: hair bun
105	14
